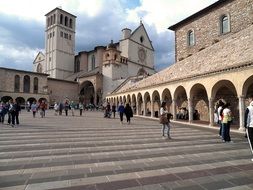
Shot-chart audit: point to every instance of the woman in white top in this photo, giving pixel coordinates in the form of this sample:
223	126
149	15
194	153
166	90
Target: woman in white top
226	120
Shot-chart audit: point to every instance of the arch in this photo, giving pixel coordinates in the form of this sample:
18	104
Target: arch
6	99
166	97
181	101
31	100
35	85
70	23
20	101
66	21
128	100
17	83
156	103
61	19
124	100
51	19
224	24
87	93
26	84
200	103
140	107
48	21
134	103
226	91
54	19
147	104
39	68
190	38
42	99
247	89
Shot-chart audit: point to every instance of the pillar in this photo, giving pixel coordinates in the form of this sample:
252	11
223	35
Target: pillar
137	108
190	110
144	108
241	113
211	112
174	111
152	108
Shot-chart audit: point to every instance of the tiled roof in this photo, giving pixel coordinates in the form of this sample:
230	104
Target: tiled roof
232	51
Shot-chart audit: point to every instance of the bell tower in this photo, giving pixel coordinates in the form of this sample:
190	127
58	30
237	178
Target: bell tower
59	43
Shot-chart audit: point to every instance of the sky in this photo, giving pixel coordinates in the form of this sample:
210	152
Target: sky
22	25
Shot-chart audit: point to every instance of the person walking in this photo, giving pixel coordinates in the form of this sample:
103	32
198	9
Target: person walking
121	111
60	108
72	108
128	112
113	109
34	109
164	120
17	110
56	108
66	107
248	123
80	108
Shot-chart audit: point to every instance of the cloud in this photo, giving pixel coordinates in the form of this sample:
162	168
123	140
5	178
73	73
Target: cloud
98	22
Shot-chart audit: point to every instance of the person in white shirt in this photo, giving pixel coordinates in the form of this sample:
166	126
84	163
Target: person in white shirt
226	121
220	104
249	123
164	120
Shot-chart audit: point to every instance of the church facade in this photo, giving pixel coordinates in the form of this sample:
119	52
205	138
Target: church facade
88	76
214	61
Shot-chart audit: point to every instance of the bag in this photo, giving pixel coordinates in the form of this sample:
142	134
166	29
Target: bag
163	119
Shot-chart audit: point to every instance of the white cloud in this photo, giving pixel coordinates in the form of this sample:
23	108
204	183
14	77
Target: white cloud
163	13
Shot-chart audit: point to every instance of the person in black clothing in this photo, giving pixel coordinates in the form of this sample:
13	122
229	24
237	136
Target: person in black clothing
113	109
128	112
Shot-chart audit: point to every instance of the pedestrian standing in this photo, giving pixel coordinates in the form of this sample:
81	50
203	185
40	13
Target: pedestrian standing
56	108
66	107
248	124
113	109
60	108
128	112
72	108
80	108
226	121
220	108
164	120
121	111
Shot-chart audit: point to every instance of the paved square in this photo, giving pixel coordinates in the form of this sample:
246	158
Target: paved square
92	152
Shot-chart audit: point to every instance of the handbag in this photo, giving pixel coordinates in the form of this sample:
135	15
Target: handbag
163	119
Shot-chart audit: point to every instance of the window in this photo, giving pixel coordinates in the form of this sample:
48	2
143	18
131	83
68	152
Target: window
48	21
26	84
69	37
17	83
93	62
66	21
51	20
39	68
54	19
77	66
66	35
190	38
35	85
61	19
224	24
141	39
70	23
61	34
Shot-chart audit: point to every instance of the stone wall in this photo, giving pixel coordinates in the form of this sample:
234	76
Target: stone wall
59	90
206	26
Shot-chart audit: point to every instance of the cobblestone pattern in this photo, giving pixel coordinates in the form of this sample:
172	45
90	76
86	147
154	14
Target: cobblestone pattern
91	152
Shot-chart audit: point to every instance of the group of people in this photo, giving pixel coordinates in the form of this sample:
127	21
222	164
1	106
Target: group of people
68	105
11	109
127	110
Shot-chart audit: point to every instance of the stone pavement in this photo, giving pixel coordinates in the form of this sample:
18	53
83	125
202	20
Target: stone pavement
95	153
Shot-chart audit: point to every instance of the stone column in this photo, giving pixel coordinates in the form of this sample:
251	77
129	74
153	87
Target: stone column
241	112
174	111
211	112
152	108
190	108
137	108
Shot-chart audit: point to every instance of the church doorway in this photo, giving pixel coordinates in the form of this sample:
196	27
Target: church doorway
87	93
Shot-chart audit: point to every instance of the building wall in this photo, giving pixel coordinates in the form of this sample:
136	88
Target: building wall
59	90
206	28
